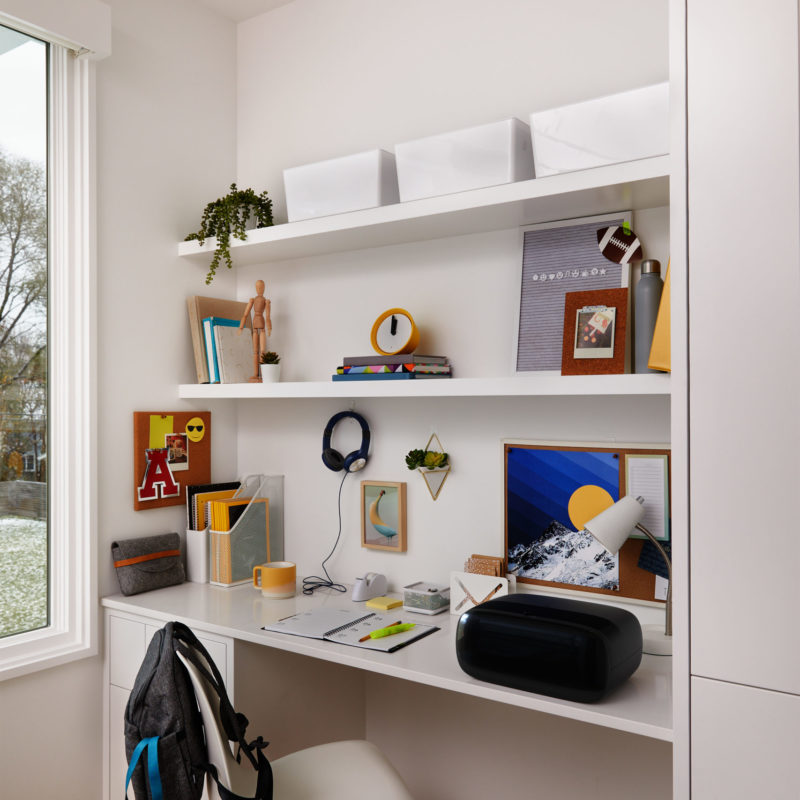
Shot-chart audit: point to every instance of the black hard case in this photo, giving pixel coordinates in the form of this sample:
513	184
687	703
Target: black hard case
554	646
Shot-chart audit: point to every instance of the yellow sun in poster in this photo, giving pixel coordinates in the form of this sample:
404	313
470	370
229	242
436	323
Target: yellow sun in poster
587	502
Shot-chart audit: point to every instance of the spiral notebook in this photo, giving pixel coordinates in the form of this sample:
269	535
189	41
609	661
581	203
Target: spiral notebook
348	626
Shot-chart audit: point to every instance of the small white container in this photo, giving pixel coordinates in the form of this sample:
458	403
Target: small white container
349	183
423	597
197	556
471	158
607	130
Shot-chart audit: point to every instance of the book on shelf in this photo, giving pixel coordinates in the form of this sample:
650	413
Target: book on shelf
387	376
407	358
373	369
201	307
234	351
209	326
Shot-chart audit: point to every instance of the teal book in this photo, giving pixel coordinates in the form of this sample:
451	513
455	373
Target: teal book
209	323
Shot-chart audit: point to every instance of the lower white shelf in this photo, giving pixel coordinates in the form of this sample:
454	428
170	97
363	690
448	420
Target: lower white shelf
543	384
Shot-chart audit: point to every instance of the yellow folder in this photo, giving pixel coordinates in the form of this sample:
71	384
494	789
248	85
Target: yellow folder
659	350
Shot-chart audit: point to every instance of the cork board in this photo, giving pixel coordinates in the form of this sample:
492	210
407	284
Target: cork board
583	352
552	488
171	449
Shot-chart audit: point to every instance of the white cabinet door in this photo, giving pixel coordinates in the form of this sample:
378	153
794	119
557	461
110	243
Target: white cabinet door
744	289
744	742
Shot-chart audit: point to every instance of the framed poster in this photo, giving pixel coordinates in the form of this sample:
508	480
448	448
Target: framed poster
171	450
383	516
552	489
559	257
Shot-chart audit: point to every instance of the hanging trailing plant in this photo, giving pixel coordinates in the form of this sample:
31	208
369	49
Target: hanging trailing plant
226	217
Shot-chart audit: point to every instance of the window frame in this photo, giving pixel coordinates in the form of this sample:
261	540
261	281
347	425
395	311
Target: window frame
72	473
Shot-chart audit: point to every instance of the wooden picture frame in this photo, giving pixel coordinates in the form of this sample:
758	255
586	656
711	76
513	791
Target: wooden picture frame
383	516
552	488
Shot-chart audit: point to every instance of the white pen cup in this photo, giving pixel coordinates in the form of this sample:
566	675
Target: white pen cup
276	579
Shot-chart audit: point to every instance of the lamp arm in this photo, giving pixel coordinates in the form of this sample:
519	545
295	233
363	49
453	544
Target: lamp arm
640	527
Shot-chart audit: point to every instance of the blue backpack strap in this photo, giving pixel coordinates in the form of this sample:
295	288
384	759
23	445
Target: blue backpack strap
153	775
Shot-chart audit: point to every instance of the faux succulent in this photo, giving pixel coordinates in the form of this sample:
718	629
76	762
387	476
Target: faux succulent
425	458
227	217
270	358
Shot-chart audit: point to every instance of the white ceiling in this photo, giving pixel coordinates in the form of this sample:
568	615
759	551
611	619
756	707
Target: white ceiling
239	10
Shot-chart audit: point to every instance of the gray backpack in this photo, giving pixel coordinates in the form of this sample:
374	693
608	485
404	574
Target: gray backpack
164	737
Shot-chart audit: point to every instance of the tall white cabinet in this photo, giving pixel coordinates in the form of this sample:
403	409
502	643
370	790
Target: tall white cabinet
744	290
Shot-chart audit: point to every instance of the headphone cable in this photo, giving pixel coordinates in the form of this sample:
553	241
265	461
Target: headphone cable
314	582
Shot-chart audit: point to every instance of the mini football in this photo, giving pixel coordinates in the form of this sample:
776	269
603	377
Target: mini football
618	244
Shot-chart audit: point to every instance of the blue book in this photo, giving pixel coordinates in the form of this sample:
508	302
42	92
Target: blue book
209	323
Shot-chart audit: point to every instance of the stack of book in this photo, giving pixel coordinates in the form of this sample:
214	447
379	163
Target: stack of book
399	367
222	353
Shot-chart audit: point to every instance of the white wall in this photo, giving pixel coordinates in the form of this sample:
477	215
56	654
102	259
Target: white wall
166	146
318	80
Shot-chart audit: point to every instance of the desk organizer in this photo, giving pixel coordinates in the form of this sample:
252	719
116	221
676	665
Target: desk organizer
471	158
607	130
423	597
550	645
255	538
350	183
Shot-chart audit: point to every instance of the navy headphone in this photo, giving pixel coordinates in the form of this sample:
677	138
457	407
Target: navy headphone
333	459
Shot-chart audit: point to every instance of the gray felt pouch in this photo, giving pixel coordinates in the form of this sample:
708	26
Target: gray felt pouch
149	562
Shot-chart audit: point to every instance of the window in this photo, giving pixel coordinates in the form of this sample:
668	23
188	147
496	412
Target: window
24	540
47	399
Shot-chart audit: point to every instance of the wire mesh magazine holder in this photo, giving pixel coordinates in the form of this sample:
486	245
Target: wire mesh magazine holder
247	531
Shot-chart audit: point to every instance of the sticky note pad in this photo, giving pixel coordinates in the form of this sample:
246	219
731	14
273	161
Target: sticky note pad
384	603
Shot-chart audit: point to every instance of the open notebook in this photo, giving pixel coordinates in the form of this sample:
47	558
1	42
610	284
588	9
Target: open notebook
348	626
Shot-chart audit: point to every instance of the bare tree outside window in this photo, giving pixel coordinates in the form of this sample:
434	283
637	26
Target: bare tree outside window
24	583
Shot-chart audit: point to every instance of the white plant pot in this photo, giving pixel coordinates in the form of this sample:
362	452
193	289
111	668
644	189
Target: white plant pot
270	373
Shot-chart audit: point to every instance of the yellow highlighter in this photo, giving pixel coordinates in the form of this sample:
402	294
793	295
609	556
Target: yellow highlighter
390	631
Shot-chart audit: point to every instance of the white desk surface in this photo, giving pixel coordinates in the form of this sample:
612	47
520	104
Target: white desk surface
643	705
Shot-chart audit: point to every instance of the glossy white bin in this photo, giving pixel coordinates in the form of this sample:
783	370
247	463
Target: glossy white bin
349	183
471	158
607	130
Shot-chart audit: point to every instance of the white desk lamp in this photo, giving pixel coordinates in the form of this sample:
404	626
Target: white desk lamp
612	528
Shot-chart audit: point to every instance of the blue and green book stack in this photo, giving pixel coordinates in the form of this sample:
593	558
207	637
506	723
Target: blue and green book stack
402	367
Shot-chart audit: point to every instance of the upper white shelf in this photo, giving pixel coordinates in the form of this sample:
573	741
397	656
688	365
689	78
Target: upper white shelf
632	185
544	384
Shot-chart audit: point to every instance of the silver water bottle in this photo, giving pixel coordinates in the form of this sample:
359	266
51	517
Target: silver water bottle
646	299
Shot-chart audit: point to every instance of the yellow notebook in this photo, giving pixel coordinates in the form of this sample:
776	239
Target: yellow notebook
660	349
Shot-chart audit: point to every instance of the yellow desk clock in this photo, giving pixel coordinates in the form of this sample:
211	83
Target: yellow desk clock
394	332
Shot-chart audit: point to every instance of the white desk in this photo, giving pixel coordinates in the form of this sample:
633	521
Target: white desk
642	706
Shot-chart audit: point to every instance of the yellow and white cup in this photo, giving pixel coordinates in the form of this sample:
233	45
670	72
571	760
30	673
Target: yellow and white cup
276	579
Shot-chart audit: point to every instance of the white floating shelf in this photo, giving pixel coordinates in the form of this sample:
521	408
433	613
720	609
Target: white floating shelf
541	385
633	185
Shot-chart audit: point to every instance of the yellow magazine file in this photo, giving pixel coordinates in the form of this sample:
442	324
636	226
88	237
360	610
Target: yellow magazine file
660	349
255	538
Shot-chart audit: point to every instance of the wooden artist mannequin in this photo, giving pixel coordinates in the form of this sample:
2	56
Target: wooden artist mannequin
262	326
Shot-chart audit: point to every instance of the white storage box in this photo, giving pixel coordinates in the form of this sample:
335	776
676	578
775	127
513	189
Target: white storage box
350	183
607	130
486	155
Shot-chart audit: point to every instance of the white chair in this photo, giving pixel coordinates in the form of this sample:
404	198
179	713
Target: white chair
334	771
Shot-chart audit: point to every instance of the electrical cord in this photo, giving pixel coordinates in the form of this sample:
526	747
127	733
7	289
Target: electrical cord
314	582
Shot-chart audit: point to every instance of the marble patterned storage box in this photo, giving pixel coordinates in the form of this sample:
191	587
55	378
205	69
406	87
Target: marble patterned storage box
606	130
349	183
471	158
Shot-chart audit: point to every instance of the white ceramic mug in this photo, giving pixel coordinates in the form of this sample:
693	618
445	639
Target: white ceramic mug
277	579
